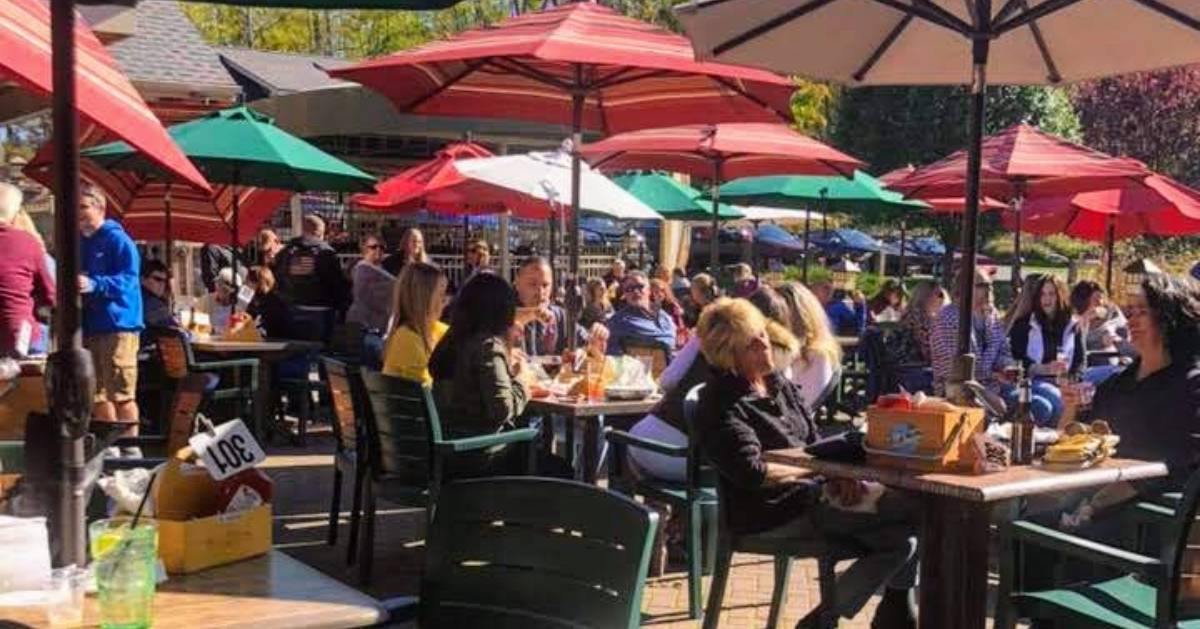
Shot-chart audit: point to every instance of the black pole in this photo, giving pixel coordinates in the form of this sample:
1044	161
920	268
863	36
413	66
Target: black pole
70	380
1111	247
966	298
807	251
1017	202
714	245
903	242
169	244
574	296
234	250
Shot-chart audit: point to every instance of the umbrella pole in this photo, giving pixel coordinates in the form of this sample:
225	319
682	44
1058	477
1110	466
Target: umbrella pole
574	296
903	242
1110	246
70	379
1016	207
714	246
964	368
234	239
169	244
807	252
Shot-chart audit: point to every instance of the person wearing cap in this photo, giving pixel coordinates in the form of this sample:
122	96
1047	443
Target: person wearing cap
219	303
112	312
989	340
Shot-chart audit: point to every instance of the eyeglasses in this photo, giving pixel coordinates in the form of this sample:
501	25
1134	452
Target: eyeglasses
158	278
635	288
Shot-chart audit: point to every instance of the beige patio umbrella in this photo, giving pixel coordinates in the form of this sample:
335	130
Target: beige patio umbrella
948	42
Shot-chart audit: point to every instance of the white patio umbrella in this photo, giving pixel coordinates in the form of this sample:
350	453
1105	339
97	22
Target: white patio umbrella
948	42
546	177
781	216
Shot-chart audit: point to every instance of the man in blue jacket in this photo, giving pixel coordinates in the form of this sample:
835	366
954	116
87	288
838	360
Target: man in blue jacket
112	311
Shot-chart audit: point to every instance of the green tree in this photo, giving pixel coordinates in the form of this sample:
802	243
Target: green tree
813	106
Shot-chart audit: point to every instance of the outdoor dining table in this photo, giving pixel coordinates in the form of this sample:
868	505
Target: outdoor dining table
956	511
592	414
271	591
269	353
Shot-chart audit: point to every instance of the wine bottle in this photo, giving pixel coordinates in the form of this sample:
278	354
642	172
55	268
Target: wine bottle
1023	424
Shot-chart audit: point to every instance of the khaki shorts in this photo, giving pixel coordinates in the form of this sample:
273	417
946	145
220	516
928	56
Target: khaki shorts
115	357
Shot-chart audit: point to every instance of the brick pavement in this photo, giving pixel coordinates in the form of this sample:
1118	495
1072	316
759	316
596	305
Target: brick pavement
304	484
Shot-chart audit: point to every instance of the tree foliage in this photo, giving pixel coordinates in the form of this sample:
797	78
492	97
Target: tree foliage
1153	116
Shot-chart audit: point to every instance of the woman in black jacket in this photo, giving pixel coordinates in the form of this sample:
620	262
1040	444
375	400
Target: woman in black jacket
1047	340
747	408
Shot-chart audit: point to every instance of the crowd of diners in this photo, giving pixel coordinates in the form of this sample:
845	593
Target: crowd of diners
764	353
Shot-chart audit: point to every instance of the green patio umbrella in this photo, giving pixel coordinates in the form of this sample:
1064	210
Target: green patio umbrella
673	199
239	146
863	193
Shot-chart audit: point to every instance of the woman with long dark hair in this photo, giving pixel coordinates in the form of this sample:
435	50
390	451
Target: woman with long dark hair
1047	340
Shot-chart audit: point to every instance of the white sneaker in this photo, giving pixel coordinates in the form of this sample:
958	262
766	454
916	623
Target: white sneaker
112	452
131	452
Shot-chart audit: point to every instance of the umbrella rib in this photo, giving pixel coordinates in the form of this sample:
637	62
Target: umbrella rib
1172	13
618	78
930	13
1029	15
751	97
883	47
1008	8
471	68
1051	68
528	71
770	25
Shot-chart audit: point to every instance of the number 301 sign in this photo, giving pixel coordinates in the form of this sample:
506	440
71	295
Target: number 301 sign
229	449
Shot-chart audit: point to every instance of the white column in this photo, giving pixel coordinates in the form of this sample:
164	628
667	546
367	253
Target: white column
297	215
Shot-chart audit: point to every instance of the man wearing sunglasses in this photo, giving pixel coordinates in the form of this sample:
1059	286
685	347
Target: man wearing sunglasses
638	324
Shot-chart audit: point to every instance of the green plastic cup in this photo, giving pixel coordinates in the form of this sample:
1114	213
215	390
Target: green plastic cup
124	561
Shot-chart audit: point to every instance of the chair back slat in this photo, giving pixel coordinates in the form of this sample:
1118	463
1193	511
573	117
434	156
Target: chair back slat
699	472
496	551
402	426
188	399
174	352
343	380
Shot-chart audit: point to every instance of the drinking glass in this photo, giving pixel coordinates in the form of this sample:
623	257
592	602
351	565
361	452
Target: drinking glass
124	562
64	602
595	381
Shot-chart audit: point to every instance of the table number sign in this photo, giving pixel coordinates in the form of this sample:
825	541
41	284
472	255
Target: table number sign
227	449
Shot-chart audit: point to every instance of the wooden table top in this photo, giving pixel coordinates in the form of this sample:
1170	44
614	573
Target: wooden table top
265	592
847	341
1011	483
255	347
587	408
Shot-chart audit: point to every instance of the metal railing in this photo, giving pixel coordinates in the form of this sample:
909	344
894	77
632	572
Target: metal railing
452	264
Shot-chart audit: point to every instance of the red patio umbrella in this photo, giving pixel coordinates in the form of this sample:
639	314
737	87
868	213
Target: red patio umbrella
1022	162
105	96
1154	206
723	151
152	209
580	64
437	186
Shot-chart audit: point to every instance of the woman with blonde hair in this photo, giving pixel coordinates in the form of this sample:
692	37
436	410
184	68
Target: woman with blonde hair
820	357
411	249
416	328
745	409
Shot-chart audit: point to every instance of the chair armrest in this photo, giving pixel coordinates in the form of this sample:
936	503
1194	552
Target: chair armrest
112	465
1150	513
624	438
468	444
232	363
1090	551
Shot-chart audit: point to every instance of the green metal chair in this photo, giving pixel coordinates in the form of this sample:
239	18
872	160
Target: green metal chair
1145	596
348	397
696	498
406	451
535	553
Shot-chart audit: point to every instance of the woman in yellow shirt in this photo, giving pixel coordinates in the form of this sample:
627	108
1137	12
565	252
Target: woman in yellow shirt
416	330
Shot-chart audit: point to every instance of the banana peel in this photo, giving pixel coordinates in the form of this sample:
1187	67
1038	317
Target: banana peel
1081	446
